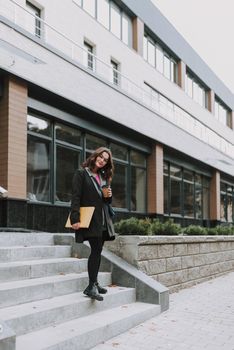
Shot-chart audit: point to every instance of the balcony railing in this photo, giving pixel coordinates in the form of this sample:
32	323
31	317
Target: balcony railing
147	96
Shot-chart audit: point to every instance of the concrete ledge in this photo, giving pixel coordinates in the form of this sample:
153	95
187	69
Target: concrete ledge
177	261
147	289
7	337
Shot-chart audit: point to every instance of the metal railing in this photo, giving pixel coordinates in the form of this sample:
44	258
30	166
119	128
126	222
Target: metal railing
147	96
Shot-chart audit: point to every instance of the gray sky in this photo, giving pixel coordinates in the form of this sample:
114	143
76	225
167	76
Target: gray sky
208	26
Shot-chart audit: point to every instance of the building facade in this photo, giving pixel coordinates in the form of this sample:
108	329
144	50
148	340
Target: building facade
78	74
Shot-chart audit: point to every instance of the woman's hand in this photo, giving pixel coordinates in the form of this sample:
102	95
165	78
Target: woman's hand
76	226
109	192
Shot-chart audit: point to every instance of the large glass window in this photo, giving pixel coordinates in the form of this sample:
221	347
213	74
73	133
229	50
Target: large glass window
89	6
188	190
186	193
222	113
198	196
138	181
151	53
38	169
126	29
175	184
111	16
160	58
196	90
93	142
129	183
39	125
103	12
38	159
67	134
226	202
56	150
115	25
119	186
47	154
67	161
166	187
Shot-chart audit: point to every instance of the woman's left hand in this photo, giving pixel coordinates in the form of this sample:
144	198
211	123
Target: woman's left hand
76	226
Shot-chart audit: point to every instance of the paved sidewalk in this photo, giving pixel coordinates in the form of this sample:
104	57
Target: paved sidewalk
199	318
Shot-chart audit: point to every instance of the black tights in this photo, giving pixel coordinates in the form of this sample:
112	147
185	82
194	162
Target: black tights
94	260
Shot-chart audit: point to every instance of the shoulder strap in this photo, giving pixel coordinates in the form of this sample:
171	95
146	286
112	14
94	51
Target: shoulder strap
94	181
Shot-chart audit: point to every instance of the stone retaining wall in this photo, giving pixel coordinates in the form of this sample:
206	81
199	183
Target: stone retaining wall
177	261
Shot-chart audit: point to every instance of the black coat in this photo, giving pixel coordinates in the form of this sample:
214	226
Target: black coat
85	194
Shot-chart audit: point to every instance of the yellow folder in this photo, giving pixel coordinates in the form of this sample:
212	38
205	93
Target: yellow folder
86	214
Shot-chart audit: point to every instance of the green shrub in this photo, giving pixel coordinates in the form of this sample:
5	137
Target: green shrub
194	230
132	226
221	230
156	227
167	228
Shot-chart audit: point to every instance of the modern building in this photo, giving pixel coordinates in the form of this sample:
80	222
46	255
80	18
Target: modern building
77	74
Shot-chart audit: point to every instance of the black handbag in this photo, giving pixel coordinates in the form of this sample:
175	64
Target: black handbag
111	211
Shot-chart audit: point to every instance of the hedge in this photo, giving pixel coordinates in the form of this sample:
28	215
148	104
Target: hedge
156	227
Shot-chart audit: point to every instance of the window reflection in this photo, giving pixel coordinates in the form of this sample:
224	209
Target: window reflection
222	113
159	59
196	90
138	186
38	170
186	193
151	53
111	16
93	142
67	134
119	152
54	153
126	29
67	161
89	6
119	186
115	20
103	13
138	158
226	202
38	125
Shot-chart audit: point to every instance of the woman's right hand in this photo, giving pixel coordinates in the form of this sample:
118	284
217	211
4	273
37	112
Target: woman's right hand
76	226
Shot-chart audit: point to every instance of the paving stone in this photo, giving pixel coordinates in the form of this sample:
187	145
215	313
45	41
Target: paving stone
199	318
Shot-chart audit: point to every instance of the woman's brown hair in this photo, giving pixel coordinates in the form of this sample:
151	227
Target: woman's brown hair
108	170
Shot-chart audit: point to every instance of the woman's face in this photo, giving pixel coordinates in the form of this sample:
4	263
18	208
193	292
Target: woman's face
101	160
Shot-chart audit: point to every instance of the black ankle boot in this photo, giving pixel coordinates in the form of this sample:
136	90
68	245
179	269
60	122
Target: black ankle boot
100	289
92	292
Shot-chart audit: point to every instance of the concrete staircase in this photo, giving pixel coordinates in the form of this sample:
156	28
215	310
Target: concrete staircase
42	301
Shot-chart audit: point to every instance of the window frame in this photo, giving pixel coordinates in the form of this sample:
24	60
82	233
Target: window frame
167	178
161	56
82	149
37	12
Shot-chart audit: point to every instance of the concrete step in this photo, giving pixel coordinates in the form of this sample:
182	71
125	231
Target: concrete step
24	291
86	332
28	317
19	253
26	238
18	270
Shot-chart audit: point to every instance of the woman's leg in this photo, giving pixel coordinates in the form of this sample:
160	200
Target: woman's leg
94	260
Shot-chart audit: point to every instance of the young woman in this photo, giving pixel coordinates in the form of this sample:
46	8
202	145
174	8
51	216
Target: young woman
91	187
